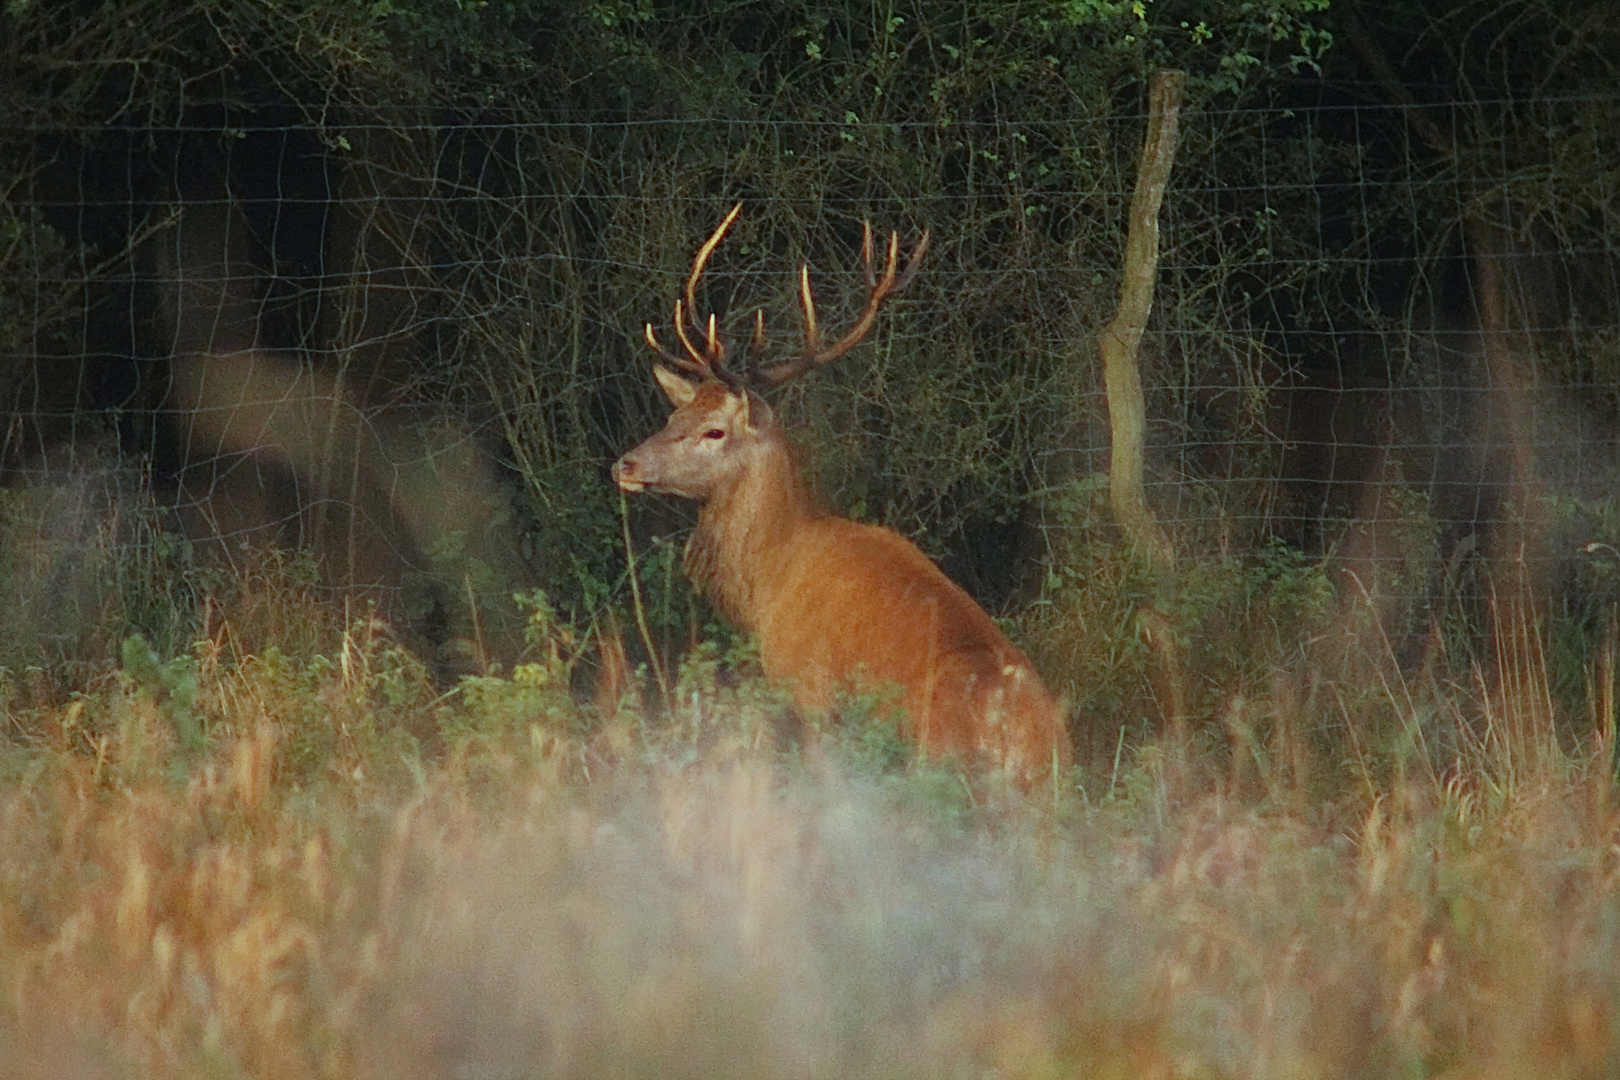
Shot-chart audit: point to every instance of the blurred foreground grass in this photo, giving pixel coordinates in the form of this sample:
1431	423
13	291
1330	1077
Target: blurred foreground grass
252	867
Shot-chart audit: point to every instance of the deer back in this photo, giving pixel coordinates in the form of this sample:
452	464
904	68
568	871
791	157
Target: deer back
857	608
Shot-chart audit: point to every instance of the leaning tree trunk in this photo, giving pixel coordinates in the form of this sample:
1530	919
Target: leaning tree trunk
1127	408
1118	345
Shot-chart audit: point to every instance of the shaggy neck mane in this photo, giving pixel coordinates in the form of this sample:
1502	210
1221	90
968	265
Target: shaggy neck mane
743	533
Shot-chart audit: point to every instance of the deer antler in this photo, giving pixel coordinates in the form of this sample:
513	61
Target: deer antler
879	289
698	265
709	360
697	365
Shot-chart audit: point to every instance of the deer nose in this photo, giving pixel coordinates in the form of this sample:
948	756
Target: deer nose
624	474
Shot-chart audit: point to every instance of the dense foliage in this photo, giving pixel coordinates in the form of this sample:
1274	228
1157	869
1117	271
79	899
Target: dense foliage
544	171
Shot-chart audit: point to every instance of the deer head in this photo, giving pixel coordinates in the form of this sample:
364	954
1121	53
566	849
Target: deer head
721	425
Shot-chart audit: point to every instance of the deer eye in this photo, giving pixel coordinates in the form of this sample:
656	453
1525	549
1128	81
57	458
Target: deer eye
714	433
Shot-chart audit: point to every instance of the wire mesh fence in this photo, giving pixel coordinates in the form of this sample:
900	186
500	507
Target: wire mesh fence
1381	334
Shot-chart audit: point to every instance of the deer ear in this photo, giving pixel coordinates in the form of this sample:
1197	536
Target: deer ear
678	390
742	410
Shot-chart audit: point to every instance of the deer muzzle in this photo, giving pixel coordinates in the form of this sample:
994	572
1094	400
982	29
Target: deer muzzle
624	474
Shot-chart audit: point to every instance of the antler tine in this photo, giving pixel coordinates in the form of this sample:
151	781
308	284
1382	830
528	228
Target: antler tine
702	260
756	344
866	252
673	359
807	303
879	289
716	348
912	264
701	359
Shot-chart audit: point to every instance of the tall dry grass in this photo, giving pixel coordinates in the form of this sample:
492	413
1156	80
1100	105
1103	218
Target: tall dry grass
242	862
306	892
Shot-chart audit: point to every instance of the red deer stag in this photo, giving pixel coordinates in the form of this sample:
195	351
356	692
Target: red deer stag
837	605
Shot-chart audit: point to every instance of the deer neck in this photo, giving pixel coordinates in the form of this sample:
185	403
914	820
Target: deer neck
745	533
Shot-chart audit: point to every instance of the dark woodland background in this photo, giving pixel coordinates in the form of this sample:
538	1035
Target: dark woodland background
1383	364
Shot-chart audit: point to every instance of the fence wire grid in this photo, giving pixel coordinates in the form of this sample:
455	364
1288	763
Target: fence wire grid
1360	346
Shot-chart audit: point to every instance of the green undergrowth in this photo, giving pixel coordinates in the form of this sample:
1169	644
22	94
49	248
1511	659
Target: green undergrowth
283	847
276	865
